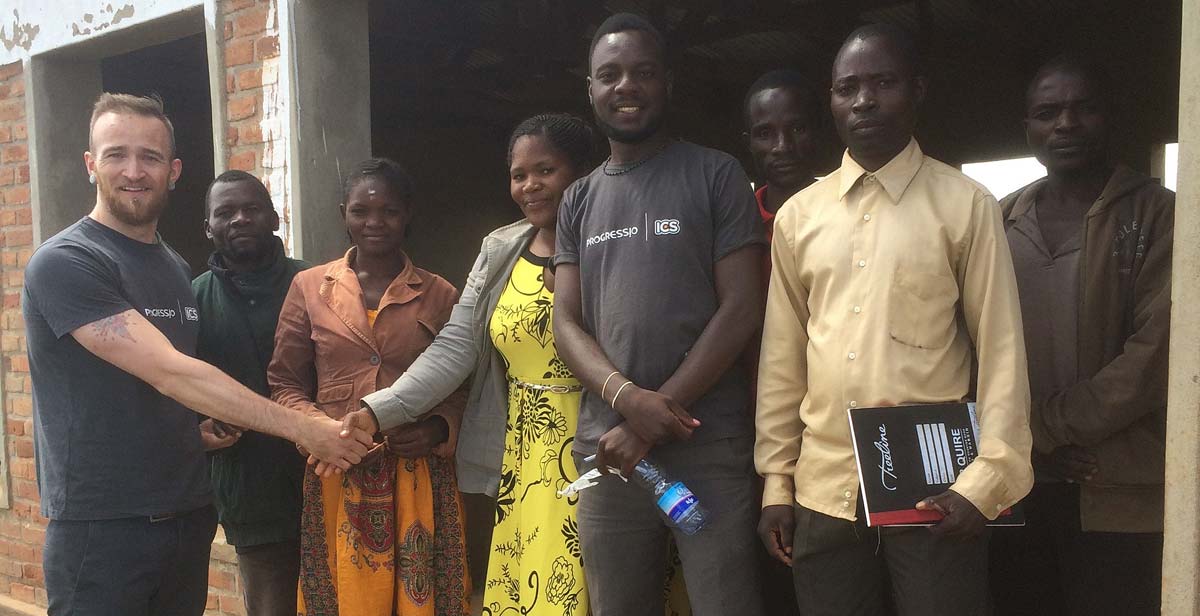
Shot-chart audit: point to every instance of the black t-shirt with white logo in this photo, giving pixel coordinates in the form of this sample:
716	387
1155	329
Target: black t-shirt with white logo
107	444
646	241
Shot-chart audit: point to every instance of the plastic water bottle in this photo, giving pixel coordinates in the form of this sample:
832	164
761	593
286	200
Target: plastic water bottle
675	500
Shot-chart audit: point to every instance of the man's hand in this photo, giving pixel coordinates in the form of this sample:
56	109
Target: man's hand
655	418
1072	463
776	527
621	448
962	520
217	434
336	446
417	440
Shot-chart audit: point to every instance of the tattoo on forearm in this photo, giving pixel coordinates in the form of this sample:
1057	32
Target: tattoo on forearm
111	328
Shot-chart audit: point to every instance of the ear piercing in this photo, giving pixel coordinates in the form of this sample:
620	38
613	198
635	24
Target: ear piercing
171	186
91	178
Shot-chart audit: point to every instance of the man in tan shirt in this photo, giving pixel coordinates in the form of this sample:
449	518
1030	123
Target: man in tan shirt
891	282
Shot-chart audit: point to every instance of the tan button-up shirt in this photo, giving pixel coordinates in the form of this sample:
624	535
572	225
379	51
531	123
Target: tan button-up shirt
885	288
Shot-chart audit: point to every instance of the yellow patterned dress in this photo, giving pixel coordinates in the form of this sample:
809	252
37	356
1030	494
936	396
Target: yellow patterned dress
535	568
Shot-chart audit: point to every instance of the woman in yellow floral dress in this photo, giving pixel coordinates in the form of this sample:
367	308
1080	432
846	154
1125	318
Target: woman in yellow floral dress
538	547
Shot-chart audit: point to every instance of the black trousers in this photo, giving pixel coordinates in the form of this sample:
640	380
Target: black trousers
270	574
1051	567
129	567
844	568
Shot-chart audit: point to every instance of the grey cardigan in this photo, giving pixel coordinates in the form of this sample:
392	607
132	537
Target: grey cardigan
461	348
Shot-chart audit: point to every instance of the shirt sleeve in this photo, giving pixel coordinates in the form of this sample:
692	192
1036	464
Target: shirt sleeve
783	372
736	222
566	237
1001	474
442	366
70	287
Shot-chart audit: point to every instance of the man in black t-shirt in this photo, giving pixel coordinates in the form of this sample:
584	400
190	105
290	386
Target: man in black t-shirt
111	326
657	294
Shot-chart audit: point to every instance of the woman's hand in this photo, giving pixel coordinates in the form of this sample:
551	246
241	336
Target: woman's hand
417	440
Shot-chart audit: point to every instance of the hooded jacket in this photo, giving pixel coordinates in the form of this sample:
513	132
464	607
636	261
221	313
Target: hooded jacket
256	480
1117	408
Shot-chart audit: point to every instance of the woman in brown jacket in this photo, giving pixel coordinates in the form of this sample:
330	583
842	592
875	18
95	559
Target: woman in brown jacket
387	537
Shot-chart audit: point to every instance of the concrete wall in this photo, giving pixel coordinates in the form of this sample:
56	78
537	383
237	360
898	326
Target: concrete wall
1181	550
332	111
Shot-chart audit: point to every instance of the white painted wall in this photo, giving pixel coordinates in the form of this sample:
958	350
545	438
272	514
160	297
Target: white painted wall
30	27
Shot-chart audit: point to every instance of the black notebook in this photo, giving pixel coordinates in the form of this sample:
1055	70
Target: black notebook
908	453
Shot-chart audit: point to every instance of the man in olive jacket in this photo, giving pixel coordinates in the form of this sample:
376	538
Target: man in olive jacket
256	478
1091	246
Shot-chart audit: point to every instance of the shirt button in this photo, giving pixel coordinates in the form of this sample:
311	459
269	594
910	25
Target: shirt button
374	360
869	178
867	217
854	404
849	493
862	263
845	505
852	355
857	309
251	302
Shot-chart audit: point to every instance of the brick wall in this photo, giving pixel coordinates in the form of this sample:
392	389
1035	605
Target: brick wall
256	98
22	529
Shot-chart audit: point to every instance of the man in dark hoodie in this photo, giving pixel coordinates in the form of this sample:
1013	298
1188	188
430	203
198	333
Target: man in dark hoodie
1091	245
257	479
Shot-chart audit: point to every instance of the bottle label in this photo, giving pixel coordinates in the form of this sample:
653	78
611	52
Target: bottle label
676	500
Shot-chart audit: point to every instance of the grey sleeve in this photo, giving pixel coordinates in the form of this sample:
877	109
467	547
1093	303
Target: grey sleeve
736	222
70	287
566	237
441	368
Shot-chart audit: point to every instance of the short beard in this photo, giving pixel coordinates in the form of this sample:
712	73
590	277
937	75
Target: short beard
134	216
629	137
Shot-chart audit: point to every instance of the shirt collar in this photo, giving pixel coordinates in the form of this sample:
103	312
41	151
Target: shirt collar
1025	200
760	196
895	176
405	287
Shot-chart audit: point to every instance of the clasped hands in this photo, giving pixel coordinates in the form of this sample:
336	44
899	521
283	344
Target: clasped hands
651	418
357	431
961	520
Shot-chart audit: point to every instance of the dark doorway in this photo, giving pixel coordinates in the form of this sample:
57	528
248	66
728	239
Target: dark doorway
449	81
178	72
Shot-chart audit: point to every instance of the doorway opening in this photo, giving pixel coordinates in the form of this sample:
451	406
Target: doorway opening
178	72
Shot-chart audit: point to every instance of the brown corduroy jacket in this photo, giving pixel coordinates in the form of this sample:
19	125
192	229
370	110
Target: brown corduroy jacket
1117	408
327	355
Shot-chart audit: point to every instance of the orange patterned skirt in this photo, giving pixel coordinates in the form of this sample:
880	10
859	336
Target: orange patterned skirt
385	538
